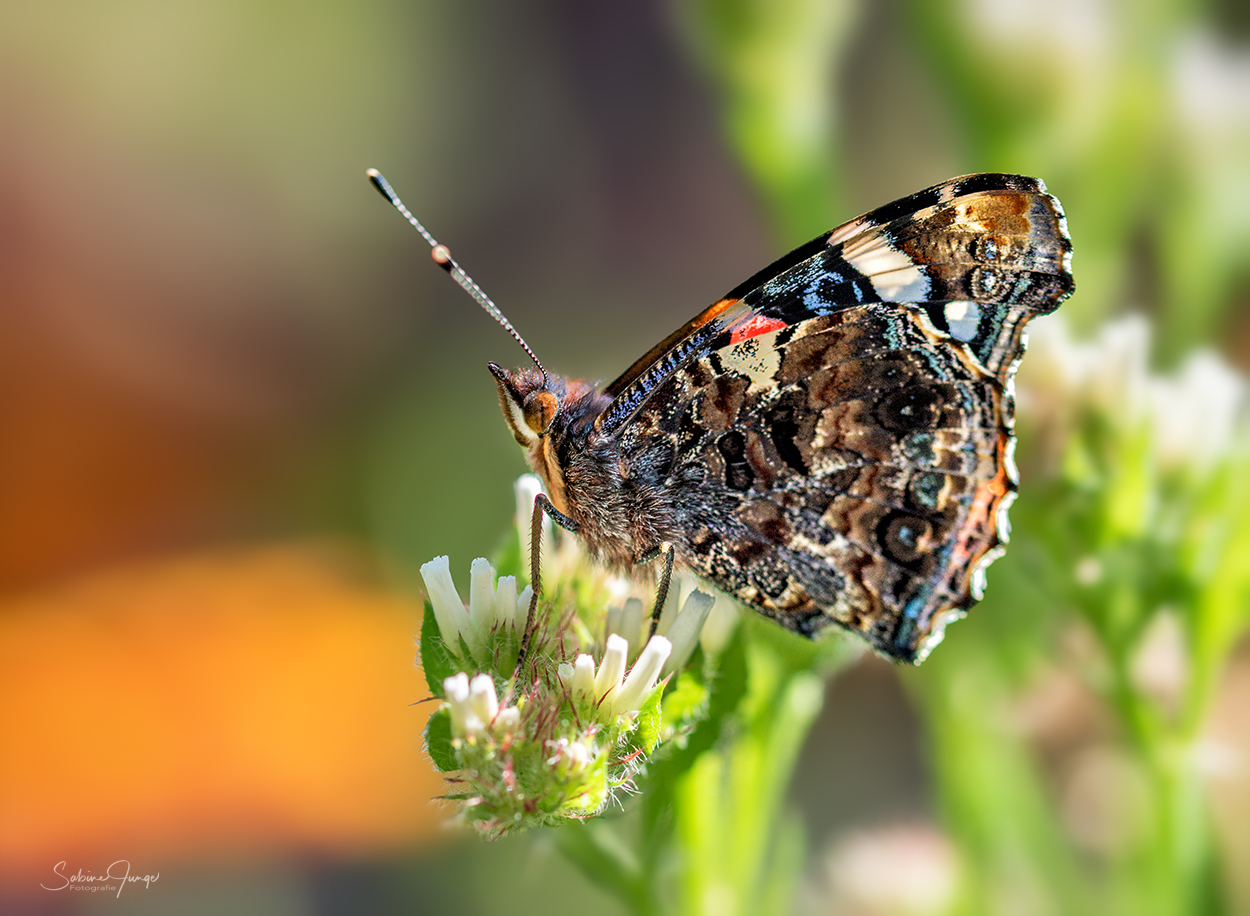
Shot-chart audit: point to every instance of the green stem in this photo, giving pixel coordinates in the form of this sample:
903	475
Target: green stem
601	855
739	853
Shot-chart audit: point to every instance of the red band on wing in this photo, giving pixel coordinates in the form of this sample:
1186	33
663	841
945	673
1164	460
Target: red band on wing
760	324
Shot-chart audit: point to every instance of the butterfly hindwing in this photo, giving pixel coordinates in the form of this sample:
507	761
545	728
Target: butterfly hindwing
835	434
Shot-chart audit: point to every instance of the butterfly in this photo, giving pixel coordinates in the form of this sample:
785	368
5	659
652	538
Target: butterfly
831	441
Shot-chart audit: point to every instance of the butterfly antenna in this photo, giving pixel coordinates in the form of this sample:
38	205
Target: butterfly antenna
442	257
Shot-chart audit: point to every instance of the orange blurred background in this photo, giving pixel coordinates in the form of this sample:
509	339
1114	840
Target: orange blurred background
237	406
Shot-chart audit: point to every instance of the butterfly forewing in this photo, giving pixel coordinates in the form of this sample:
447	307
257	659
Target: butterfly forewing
835	434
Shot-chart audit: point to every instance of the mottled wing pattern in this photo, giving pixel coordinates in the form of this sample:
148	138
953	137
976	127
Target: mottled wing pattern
835	434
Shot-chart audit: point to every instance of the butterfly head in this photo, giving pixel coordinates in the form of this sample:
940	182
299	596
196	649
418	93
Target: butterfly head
528	402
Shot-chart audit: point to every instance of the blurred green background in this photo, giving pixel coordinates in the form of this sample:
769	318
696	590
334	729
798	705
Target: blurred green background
218	342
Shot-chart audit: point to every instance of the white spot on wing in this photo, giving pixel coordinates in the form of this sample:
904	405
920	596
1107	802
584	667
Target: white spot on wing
895	277
907	285
963	318
850	230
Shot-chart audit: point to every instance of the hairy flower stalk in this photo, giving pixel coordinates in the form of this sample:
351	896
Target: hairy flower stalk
586	712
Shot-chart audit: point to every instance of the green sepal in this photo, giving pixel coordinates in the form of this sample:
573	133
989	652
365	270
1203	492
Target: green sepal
650	730
438	741
437	663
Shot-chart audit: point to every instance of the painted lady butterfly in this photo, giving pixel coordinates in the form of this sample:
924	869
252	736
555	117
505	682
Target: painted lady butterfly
831	442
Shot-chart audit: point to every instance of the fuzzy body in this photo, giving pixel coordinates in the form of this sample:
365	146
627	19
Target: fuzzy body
623	509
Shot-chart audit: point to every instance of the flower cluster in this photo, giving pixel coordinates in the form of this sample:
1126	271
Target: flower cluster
1193	417
558	737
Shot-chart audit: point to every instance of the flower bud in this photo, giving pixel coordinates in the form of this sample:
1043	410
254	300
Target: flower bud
505	602
642	676
482	695
481	604
448	609
684	631
583	677
611	668
464	718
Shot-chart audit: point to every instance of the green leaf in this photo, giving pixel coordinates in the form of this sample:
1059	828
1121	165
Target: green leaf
438	741
728	685
687	700
784	868
437	663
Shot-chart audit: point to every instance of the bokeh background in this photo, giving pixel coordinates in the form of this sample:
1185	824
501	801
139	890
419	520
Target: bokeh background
238	408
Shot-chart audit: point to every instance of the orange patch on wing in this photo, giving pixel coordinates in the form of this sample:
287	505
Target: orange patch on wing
711	312
972	542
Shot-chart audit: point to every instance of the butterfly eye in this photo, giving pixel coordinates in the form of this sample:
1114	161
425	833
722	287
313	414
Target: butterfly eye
540	411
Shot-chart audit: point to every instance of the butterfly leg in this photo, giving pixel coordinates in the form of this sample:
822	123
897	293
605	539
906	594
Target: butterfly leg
556	515
541	505
666	577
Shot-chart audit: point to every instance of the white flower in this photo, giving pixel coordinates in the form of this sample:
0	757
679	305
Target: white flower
1076	32
570	756
614	696
642	676
684	622
506	597
579	755
583	677
464	718
612	668
574	737
1211	86
1109	372
527	488
448	610
508	722
1118	367
481	604
483	697
1194	414
683	631
626	622
489	606
474	707
522	608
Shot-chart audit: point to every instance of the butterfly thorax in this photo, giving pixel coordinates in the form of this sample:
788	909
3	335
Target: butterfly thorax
620	515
